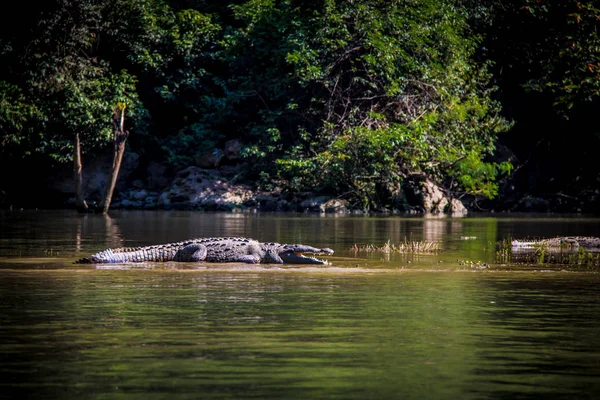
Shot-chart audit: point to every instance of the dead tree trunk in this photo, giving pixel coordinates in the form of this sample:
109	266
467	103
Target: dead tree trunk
80	203
120	137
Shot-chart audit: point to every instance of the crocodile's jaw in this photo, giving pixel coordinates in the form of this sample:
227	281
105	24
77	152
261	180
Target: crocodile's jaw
290	257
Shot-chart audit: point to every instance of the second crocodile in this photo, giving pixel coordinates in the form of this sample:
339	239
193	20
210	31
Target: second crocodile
218	250
564	243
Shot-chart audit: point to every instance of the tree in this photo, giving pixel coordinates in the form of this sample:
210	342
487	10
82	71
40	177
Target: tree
351	97
15	112
544	55
570	51
74	91
348	98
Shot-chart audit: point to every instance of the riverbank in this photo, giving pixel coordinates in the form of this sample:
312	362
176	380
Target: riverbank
149	185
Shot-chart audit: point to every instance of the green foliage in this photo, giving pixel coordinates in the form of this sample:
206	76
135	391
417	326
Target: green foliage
176	54
182	149
170	45
479	177
570	54
361	94
15	112
69	82
343	97
344	164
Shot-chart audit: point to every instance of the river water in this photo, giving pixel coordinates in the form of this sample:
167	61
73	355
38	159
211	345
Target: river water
458	324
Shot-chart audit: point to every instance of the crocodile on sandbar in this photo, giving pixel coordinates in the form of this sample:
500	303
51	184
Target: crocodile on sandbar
567	243
217	250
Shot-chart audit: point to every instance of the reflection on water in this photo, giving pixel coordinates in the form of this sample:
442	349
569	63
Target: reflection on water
86	226
366	327
67	236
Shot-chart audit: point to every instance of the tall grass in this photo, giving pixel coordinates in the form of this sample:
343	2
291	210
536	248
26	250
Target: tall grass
407	246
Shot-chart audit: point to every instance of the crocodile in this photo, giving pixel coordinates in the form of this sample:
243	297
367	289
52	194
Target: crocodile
214	249
564	243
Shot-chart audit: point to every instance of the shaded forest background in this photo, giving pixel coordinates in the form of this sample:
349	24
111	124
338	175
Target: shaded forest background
494	103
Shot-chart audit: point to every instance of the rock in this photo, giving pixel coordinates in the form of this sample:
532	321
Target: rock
434	199
534	204
272	201
233	149
150	206
283	205
131	204
151	199
334	206
194	187
157	176
138	184
95	175
313	204
425	196
503	153
457	207
139	195
210	159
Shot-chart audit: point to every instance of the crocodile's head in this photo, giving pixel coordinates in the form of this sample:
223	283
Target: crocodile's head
292	254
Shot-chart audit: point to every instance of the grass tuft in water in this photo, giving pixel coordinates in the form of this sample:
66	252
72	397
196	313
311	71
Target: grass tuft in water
504	250
408	246
52	253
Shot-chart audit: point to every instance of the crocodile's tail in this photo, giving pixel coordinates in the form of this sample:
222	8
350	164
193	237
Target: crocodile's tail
124	255
108	256
156	253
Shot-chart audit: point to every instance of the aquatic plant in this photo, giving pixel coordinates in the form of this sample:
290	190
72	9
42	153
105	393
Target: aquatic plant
51	253
407	246
473	264
503	249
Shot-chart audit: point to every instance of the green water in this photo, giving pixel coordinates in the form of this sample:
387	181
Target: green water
368	326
